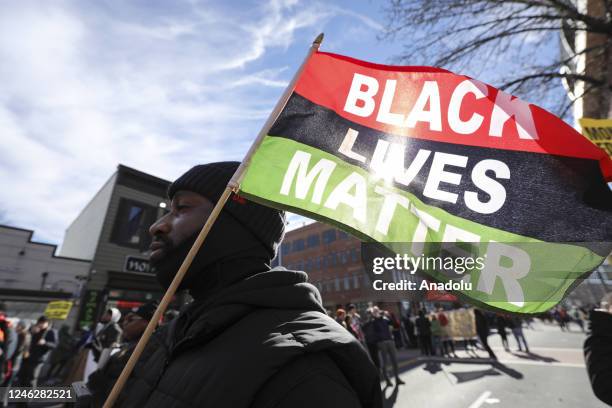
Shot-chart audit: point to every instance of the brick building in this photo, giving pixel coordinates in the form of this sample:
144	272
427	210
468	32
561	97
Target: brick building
332	259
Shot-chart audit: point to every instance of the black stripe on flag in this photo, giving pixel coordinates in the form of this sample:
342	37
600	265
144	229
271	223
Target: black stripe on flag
551	198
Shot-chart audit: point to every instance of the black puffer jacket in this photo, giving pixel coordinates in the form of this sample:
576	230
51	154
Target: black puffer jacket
264	341
598	355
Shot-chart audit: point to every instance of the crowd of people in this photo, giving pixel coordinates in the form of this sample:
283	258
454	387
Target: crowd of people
24	348
38	354
98	356
382	333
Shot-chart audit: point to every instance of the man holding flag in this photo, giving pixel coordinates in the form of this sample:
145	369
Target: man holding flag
253	336
418	161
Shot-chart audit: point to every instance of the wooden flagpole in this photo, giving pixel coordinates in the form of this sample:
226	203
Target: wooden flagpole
232	186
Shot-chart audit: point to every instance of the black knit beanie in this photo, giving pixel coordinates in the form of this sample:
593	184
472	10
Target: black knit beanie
147	310
209	180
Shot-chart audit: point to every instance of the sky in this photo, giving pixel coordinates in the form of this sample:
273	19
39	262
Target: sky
155	85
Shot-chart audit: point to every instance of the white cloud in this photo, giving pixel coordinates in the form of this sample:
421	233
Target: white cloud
88	85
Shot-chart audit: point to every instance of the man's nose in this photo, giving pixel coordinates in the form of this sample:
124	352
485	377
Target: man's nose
161	226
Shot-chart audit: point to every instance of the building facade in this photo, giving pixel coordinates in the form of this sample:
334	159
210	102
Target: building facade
112	232
31	275
332	259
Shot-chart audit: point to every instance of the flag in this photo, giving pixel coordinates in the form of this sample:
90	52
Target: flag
426	162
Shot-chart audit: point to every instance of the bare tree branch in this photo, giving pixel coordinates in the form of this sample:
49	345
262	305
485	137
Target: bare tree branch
513	41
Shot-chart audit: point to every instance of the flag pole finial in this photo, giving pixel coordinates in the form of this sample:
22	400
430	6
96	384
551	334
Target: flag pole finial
318	40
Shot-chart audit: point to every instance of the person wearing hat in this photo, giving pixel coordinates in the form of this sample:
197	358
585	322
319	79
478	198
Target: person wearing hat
107	333
253	336
100	382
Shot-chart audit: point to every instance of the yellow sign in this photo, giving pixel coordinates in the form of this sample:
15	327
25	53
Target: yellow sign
461	324
58	309
598	131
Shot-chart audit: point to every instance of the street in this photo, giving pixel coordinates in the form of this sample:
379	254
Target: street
553	374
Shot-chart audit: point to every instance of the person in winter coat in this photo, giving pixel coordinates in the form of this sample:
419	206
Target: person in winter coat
383	324
371	339
62	353
253	336
598	350
423	326
43	340
101	381
501	323
107	334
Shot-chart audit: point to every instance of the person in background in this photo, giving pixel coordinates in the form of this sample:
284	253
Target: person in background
62	353
21	352
448	345
101	381
43	340
348	323
107	334
386	345
170	315
436	336
423	326
578	316
11	348
409	328
4	339
500	322
515	324
598	350
371	339
356	323
482	329
341	317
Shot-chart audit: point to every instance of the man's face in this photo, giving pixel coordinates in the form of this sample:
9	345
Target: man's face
188	213
133	326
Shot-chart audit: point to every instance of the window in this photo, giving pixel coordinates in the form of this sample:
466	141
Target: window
342	235
323	262
286	248
331	259
356	281
132	224
312	241
344	257
329	236
308	265
298	245
337	284
354	255
347	283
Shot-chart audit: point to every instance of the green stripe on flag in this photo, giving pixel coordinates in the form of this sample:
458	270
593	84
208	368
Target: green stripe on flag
305	180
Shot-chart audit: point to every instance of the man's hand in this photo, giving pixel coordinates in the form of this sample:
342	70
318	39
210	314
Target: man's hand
41	342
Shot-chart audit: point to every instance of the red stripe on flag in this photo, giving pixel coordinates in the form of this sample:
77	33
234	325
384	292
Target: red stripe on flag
404	101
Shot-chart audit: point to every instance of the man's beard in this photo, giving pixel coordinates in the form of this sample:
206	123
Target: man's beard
166	268
226	241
